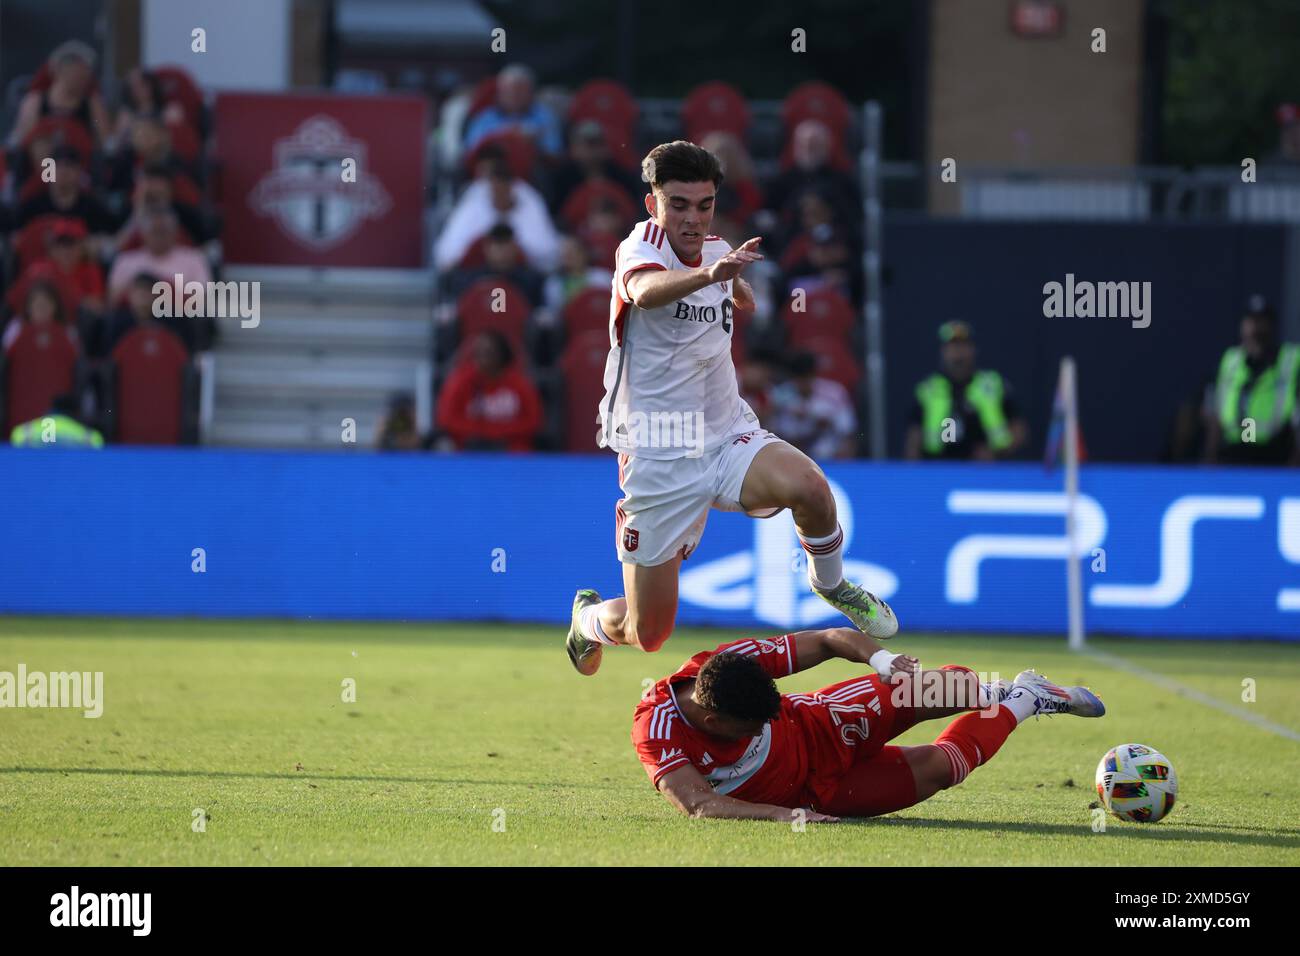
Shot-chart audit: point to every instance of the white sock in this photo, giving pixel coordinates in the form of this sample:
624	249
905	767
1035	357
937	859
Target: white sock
589	621
1022	703
825	559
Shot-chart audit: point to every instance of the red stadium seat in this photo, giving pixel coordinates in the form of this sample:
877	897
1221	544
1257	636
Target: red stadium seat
588	311
819	101
839	156
177	84
43	271
583	369
185	141
43	78
827	314
42	364
474	310
63	131
474	256
579	203
740	322
612	106
150	365
608	102
32	188
714	107
834	360
32	241
185	191
520	150
484	95
601	247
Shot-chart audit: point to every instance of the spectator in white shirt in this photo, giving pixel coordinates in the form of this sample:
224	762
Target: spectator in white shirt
816	415
497	196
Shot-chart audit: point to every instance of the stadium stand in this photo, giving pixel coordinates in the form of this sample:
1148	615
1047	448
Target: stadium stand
313	363
115	172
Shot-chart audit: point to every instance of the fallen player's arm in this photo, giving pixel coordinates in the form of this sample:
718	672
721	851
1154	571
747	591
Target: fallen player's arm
814	647
690	793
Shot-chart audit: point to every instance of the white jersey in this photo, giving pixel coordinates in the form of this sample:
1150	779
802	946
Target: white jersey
669	372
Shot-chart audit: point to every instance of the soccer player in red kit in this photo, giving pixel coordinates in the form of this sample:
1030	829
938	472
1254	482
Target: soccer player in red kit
718	740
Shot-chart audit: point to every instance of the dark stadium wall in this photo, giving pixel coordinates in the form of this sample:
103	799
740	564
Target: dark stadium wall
31	29
1131	380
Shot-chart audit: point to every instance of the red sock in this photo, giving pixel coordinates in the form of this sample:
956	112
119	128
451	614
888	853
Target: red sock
973	739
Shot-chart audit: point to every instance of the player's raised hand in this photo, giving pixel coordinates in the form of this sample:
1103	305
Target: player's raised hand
729	266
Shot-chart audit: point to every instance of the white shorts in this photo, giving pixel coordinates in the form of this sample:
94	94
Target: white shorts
668	502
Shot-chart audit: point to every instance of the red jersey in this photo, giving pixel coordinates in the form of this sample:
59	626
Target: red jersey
800	754
504	408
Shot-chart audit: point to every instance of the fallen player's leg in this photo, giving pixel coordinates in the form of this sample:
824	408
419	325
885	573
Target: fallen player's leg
900	777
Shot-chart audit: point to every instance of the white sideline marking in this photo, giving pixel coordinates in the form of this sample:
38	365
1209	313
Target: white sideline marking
1168	683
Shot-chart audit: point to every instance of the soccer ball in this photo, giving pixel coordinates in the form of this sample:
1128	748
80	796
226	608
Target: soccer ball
1137	783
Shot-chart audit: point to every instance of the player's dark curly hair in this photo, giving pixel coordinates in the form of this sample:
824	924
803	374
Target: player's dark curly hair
736	686
680	161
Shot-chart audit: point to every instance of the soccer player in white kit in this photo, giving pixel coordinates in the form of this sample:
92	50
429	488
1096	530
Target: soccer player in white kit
687	441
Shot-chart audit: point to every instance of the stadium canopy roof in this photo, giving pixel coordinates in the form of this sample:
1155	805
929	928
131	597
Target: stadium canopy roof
405	22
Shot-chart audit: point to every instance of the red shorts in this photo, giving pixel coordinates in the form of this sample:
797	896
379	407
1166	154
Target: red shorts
854	772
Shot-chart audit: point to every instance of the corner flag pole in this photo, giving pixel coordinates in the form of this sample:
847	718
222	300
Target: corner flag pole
1074	574
873	149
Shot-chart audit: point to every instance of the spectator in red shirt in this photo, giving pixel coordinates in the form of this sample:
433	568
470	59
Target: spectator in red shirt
73	264
488	403
43	306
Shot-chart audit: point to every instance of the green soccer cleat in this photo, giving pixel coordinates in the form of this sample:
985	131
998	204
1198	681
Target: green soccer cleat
869	614
584	654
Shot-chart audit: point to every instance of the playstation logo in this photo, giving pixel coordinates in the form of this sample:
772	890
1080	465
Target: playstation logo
771	579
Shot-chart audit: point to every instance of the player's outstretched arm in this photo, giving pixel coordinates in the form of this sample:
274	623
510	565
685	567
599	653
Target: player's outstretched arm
847	643
690	793
652	288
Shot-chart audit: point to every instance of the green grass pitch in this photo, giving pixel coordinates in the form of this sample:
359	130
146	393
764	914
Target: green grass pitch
457	727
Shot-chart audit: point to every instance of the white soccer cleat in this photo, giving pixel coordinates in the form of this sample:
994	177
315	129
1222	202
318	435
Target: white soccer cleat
868	613
1051	699
998	689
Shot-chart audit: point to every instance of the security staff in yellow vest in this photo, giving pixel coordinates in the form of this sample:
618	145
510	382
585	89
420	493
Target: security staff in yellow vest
58	429
963	412
1252	413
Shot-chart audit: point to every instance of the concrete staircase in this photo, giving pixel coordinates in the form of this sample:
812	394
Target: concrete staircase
331	344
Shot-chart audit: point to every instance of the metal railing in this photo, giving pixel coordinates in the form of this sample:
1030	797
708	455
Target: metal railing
1131	193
